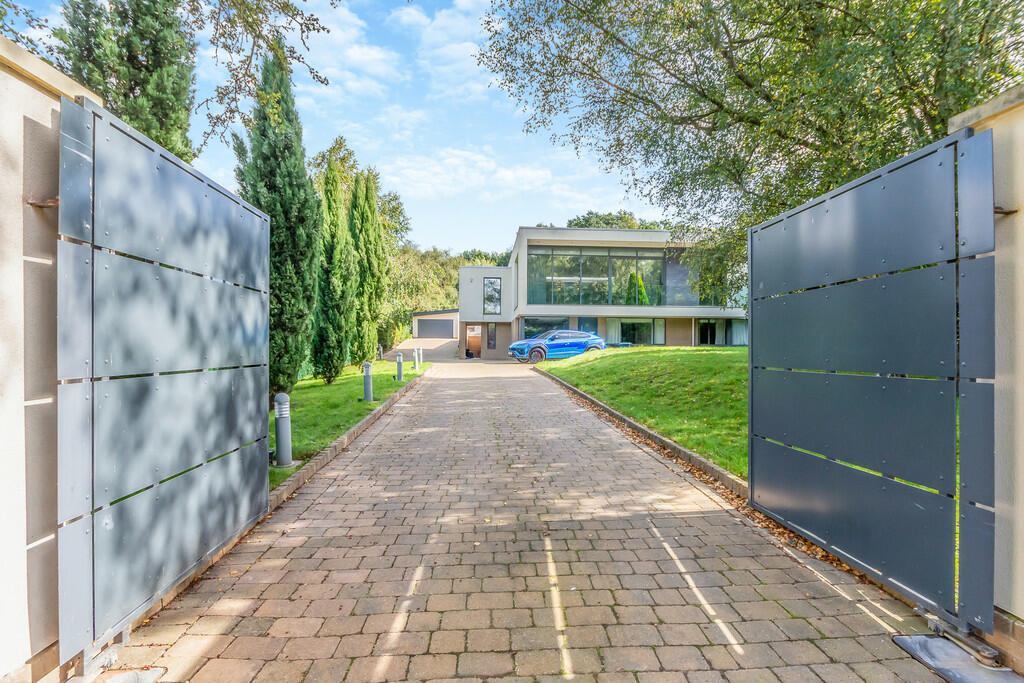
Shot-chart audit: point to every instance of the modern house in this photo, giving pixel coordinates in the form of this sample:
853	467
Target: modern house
626	285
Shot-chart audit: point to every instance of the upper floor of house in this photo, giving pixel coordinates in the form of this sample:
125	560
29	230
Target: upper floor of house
588	272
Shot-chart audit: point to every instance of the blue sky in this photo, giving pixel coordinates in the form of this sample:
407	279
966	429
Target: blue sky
406	92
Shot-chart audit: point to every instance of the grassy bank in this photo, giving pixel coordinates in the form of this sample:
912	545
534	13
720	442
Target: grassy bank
695	396
323	412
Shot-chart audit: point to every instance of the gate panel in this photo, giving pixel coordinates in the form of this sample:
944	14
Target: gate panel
893	219
872	358
975	194
178	433
977	313
903	532
153	318
145	544
175	216
74	310
916	308
862	421
162	355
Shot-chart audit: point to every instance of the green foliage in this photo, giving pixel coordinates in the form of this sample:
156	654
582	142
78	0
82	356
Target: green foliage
152	68
272	176
321	413
728	112
695	396
368	238
342	155
17	22
478	257
635	280
334	319
623	220
425	280
395	222
237	31
83	47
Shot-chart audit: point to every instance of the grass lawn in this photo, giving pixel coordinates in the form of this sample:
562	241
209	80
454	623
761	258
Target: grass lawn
695	396
321	412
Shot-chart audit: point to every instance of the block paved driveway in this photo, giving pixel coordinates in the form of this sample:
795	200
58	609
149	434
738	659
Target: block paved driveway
490	527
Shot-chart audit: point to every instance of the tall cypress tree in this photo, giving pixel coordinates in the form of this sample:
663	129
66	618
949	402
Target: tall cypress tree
336	311
368	238
272	175
83	49
153	67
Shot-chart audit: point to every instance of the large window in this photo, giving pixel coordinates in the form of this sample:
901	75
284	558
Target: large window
492	296
649	281
623	280
637	331
538	276
534	326
598	276
565	276
587	325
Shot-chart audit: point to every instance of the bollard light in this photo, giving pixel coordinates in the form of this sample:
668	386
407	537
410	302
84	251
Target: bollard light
419	352
283	431
380	352
367	382
416	360
398	363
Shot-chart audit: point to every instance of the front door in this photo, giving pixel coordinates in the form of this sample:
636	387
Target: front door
707	335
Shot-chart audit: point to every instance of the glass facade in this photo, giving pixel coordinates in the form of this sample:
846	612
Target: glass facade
596	276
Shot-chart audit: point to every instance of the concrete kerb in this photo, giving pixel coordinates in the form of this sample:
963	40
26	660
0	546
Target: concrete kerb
724	477
284	491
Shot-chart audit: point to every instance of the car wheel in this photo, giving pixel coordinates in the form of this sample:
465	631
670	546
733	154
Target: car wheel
536	356
522	360
592	348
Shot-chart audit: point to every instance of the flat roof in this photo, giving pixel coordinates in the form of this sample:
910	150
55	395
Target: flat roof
443	310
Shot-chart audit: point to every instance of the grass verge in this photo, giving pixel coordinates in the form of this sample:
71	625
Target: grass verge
322	412
696	396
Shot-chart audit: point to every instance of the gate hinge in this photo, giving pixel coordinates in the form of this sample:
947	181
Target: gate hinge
44	203
1000	211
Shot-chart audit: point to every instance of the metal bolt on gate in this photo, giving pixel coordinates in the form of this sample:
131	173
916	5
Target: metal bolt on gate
367	382
283	430
398	362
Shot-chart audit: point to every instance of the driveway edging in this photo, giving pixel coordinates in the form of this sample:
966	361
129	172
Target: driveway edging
719	474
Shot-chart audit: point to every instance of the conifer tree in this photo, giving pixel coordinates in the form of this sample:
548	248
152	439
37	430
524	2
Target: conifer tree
153	71
368	238
83	46
338	281
272	175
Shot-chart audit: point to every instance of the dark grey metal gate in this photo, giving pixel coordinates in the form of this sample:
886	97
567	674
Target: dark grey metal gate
162	358
872	359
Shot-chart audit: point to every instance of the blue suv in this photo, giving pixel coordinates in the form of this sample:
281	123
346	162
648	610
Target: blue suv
554	344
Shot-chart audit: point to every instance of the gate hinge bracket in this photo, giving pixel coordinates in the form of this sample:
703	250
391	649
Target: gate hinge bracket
44	203
1000	211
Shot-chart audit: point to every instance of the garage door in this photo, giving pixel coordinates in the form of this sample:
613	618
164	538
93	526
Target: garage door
443	329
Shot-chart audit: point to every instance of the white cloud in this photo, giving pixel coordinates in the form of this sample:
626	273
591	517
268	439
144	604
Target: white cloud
452	171
399	121
448	45
353	65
